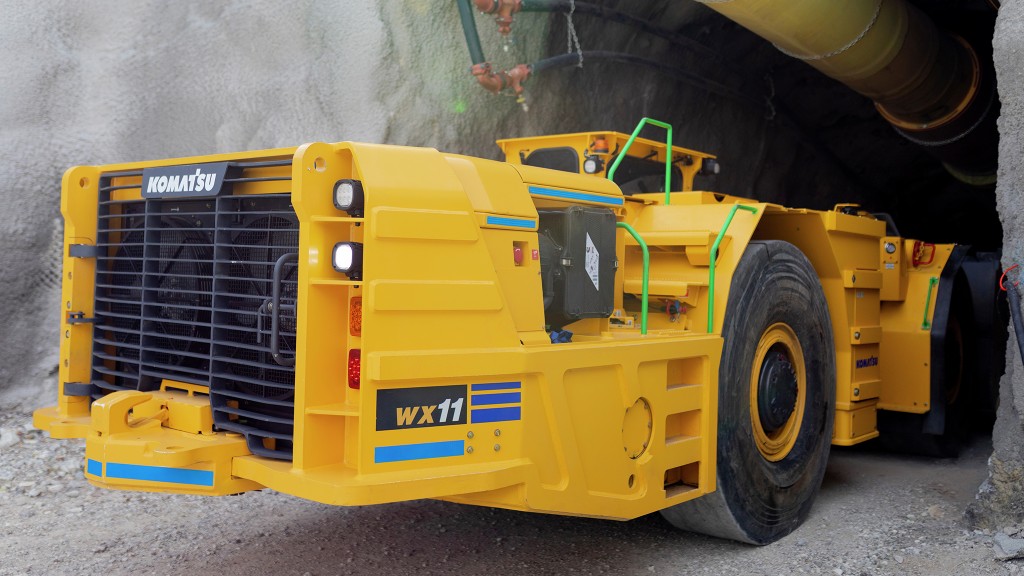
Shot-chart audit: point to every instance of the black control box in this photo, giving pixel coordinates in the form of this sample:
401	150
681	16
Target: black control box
578	264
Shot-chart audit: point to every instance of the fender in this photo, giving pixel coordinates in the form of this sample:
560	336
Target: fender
935	419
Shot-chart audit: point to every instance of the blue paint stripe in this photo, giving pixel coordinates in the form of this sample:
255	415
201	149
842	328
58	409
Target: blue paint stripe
496	386
613	200
423	451
93	467
159	474
485	415
503	398
514	222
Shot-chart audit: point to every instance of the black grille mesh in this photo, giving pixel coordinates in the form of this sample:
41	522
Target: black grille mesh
183	292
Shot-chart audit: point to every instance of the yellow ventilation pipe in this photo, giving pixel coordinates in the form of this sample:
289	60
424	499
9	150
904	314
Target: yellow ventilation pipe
925	82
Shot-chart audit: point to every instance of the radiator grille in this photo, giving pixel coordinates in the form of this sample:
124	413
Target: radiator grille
183	292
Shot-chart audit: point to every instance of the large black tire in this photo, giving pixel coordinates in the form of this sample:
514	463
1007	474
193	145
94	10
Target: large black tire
765	489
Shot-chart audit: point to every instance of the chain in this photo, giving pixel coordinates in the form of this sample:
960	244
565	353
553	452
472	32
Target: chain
572	38
844	48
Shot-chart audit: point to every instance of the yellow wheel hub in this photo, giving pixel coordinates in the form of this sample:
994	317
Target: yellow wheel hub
778	392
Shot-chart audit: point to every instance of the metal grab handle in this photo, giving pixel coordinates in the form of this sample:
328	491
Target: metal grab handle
275	309
668	153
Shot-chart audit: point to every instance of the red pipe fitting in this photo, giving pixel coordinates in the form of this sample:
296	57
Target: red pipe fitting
486	77
516	76
504	10
495	82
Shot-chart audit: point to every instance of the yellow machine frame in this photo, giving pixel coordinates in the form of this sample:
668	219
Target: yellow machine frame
615	424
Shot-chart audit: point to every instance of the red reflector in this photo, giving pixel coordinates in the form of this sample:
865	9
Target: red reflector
353	368
517	256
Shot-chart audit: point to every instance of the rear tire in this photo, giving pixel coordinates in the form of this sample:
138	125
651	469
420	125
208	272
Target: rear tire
776	401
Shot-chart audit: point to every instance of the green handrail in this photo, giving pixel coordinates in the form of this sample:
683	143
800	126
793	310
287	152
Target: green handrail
925	324
668	153
714	256
647	269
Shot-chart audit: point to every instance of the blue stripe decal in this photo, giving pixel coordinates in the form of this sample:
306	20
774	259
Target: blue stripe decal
159	474
93	467
613	200
504	398
423	451
485	415
496	386
514	222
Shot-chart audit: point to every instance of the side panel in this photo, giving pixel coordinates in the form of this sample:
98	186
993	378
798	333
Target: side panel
910	333
886	299
843	249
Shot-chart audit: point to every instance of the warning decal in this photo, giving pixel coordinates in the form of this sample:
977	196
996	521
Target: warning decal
593	262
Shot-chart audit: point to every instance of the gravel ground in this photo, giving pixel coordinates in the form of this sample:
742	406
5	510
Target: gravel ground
876	514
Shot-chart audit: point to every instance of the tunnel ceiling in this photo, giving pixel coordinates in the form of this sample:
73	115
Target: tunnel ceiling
832	127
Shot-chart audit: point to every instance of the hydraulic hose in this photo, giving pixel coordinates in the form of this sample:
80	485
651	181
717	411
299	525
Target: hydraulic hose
476	52
1018	323
1015	315
697	81
612	15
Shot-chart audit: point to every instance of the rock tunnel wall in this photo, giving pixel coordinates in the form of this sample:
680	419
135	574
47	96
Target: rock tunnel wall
1000	501
102	82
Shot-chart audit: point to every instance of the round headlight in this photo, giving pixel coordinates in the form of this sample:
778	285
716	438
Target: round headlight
592	165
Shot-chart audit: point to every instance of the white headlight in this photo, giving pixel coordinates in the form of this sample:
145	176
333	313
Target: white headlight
347	257
348	196
590	165
343	257
710	167
343	195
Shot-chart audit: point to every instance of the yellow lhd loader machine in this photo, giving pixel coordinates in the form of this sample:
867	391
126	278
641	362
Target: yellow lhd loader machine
575	330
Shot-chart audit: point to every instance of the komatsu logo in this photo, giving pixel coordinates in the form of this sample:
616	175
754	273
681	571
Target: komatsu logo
183	181
867	362
198	182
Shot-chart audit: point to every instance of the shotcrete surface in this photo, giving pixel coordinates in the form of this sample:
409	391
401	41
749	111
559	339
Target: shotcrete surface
1000	499
110	82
